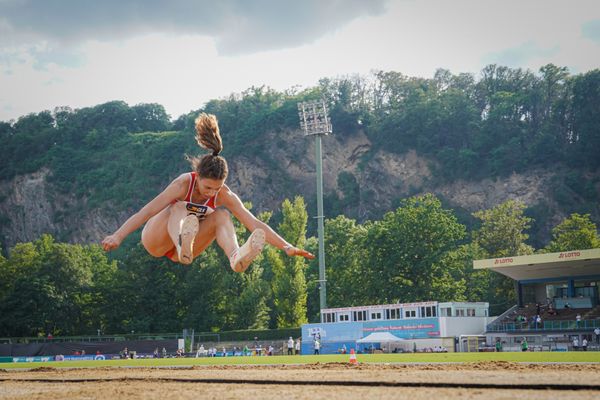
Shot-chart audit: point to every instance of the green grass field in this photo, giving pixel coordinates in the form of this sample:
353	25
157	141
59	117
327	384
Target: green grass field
549	357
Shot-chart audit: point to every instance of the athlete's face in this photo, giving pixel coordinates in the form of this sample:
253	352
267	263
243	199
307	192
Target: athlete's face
209	187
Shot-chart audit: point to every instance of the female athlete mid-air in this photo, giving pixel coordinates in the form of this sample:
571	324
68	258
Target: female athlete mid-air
191	212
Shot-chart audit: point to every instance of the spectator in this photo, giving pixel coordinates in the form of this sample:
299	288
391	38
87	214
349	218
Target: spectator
317	346
290	346
164	352
498	345
538	308
575	343
246	351
156	352
298	346
577	320
224	352
50	337
344	349
597	333
524	345
201	351
584	344
270	350
538	322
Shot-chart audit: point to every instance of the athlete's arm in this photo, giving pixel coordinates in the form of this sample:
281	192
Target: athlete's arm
176	189
233	203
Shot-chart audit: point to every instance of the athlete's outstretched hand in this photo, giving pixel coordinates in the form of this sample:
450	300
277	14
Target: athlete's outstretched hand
294	251
111	242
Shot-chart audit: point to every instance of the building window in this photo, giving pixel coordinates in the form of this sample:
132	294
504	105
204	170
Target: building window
428	311
376	315
460	312
344	317
329	317
470	312
410	313
360	315
446	312
394	313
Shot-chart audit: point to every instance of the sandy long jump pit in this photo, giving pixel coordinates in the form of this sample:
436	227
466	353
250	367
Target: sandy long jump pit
485	380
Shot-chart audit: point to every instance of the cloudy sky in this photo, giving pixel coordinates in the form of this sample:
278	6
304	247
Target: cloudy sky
182	53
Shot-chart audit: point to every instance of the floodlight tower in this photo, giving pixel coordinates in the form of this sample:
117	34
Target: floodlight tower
315	122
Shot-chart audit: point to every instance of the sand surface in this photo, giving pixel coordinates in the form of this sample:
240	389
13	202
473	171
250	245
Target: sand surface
317	381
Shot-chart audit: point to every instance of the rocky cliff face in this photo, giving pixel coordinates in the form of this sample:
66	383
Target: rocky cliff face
30	207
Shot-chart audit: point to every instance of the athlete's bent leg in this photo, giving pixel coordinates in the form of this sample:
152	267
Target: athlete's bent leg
155	235
219	225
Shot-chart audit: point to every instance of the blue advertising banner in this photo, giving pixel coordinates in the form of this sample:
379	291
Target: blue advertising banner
333	331
420	328
32	359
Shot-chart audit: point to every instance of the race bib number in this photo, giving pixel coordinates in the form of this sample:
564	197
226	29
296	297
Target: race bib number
197	209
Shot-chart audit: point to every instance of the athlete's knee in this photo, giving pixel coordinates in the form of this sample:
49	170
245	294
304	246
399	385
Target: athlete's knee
153	251
221	216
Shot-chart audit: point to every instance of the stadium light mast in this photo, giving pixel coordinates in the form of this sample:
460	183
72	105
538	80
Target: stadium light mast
314	121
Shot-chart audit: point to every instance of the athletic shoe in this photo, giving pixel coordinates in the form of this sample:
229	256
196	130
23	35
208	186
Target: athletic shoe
241	259
188	228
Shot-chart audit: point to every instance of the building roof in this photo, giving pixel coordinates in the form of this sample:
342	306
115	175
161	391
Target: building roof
576	263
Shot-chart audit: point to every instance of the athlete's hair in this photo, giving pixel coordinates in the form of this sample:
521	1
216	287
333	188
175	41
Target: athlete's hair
211	166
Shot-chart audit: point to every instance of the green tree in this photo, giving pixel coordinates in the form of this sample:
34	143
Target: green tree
502	234
289	281
586	119
469	284
502	231
51	288
345	256
406	249
577	232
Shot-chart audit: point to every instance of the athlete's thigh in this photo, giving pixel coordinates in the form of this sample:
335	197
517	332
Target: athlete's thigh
155	235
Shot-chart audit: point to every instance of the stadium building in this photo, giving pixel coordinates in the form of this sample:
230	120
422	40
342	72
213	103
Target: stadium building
425	326
560	288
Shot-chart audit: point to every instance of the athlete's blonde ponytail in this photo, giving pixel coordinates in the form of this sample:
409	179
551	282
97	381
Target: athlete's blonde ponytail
211	166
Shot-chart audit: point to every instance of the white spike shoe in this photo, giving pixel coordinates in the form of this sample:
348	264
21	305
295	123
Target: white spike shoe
241	259
188	228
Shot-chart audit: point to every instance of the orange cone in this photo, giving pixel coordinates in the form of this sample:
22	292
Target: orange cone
353	359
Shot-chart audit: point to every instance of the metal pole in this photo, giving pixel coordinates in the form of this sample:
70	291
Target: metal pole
320	226
314	121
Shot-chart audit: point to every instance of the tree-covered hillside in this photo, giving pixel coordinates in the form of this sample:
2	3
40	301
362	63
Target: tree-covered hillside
504	121
115	157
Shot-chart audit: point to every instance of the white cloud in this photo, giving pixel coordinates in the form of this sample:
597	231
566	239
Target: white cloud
184	70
